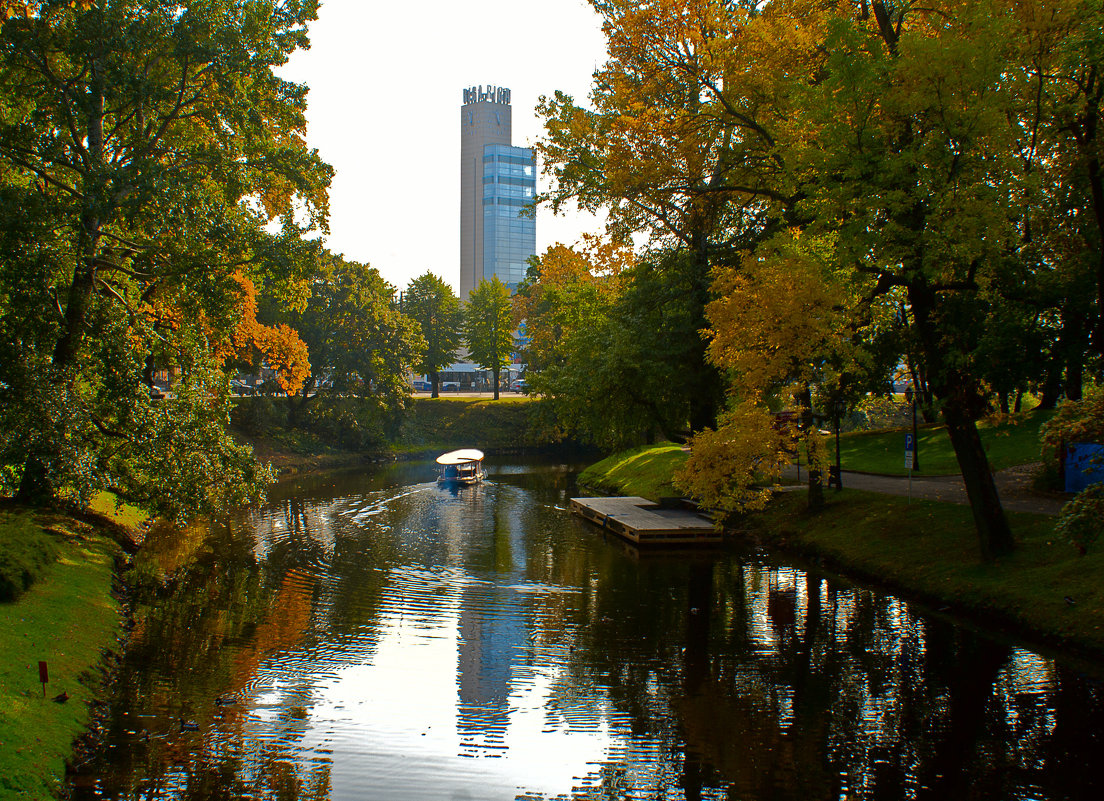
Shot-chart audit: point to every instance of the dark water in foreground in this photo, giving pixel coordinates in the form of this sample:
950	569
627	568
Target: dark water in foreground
376	637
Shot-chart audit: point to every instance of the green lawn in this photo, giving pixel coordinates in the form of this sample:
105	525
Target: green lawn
122	514
645	471
65	618
1007	443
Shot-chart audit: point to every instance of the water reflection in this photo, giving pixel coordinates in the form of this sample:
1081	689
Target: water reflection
375	636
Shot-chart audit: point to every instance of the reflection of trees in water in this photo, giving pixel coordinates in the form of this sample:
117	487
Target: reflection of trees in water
716	675
788	685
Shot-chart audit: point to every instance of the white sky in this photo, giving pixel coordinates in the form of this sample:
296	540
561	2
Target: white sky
386	85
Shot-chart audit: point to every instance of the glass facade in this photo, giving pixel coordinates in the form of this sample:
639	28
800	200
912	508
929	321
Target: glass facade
509	236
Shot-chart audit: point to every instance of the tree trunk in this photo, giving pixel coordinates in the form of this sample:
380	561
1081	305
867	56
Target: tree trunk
36	485
816	488
1096	189
962	403
297	403
435	383
494	372
994	533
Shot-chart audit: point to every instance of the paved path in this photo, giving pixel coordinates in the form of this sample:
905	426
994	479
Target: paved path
1013	485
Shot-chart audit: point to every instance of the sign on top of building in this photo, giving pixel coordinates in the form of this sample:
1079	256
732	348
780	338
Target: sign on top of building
493	94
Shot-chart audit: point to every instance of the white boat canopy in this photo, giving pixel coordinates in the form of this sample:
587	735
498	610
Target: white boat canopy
462	456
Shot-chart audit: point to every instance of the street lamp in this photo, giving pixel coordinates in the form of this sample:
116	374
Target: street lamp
910	397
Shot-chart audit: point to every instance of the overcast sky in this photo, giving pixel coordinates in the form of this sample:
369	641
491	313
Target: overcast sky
386	85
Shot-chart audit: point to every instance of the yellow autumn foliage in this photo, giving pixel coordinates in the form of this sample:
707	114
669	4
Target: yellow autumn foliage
737	466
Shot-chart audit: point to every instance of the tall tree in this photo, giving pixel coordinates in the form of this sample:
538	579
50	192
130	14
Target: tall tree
431	303
680	144
489	328
908	161
360	342
155	142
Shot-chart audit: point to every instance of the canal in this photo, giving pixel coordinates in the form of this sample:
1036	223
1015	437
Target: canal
369	635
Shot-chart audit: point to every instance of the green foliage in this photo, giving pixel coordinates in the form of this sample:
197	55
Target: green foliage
259	415
489	327
617	349
352	424
431	303
26	551
1081	521
446	423
360	344
145	149
1075	421
1082	518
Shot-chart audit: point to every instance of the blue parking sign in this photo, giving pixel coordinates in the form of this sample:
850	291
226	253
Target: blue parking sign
910	452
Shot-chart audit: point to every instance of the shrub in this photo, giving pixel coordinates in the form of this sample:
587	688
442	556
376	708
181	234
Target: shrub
1075	421
353	424
1082	519
26	551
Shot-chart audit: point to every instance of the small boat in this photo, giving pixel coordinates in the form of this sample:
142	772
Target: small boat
464	466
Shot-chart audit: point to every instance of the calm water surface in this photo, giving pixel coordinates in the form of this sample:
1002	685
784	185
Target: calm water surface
372	636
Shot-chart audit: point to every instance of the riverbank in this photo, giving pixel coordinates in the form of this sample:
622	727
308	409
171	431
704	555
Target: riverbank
429	426
925	550
68	618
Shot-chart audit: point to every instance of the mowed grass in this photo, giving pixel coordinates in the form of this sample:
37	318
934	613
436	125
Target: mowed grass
1008	442
121	514
66	618
930	550
645	471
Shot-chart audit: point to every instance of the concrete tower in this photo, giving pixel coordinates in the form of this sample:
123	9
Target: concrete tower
496	182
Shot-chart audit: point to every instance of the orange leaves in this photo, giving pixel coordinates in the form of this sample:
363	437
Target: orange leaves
280	345
285	353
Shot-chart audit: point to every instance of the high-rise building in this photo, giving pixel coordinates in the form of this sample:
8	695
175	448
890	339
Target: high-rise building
497	181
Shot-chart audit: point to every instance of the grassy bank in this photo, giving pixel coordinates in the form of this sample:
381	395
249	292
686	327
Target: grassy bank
429	425
645	471
1008	442
926	550
446	423
67	618
929	551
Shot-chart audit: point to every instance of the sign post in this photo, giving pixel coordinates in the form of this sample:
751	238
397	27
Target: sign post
910	461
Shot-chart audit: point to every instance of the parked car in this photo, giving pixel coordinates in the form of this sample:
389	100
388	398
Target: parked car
520	385
423	386
239	387
450	386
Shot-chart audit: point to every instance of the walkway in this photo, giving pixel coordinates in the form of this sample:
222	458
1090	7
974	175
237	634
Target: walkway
1013	485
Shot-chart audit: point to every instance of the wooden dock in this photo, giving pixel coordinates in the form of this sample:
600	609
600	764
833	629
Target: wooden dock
643	522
